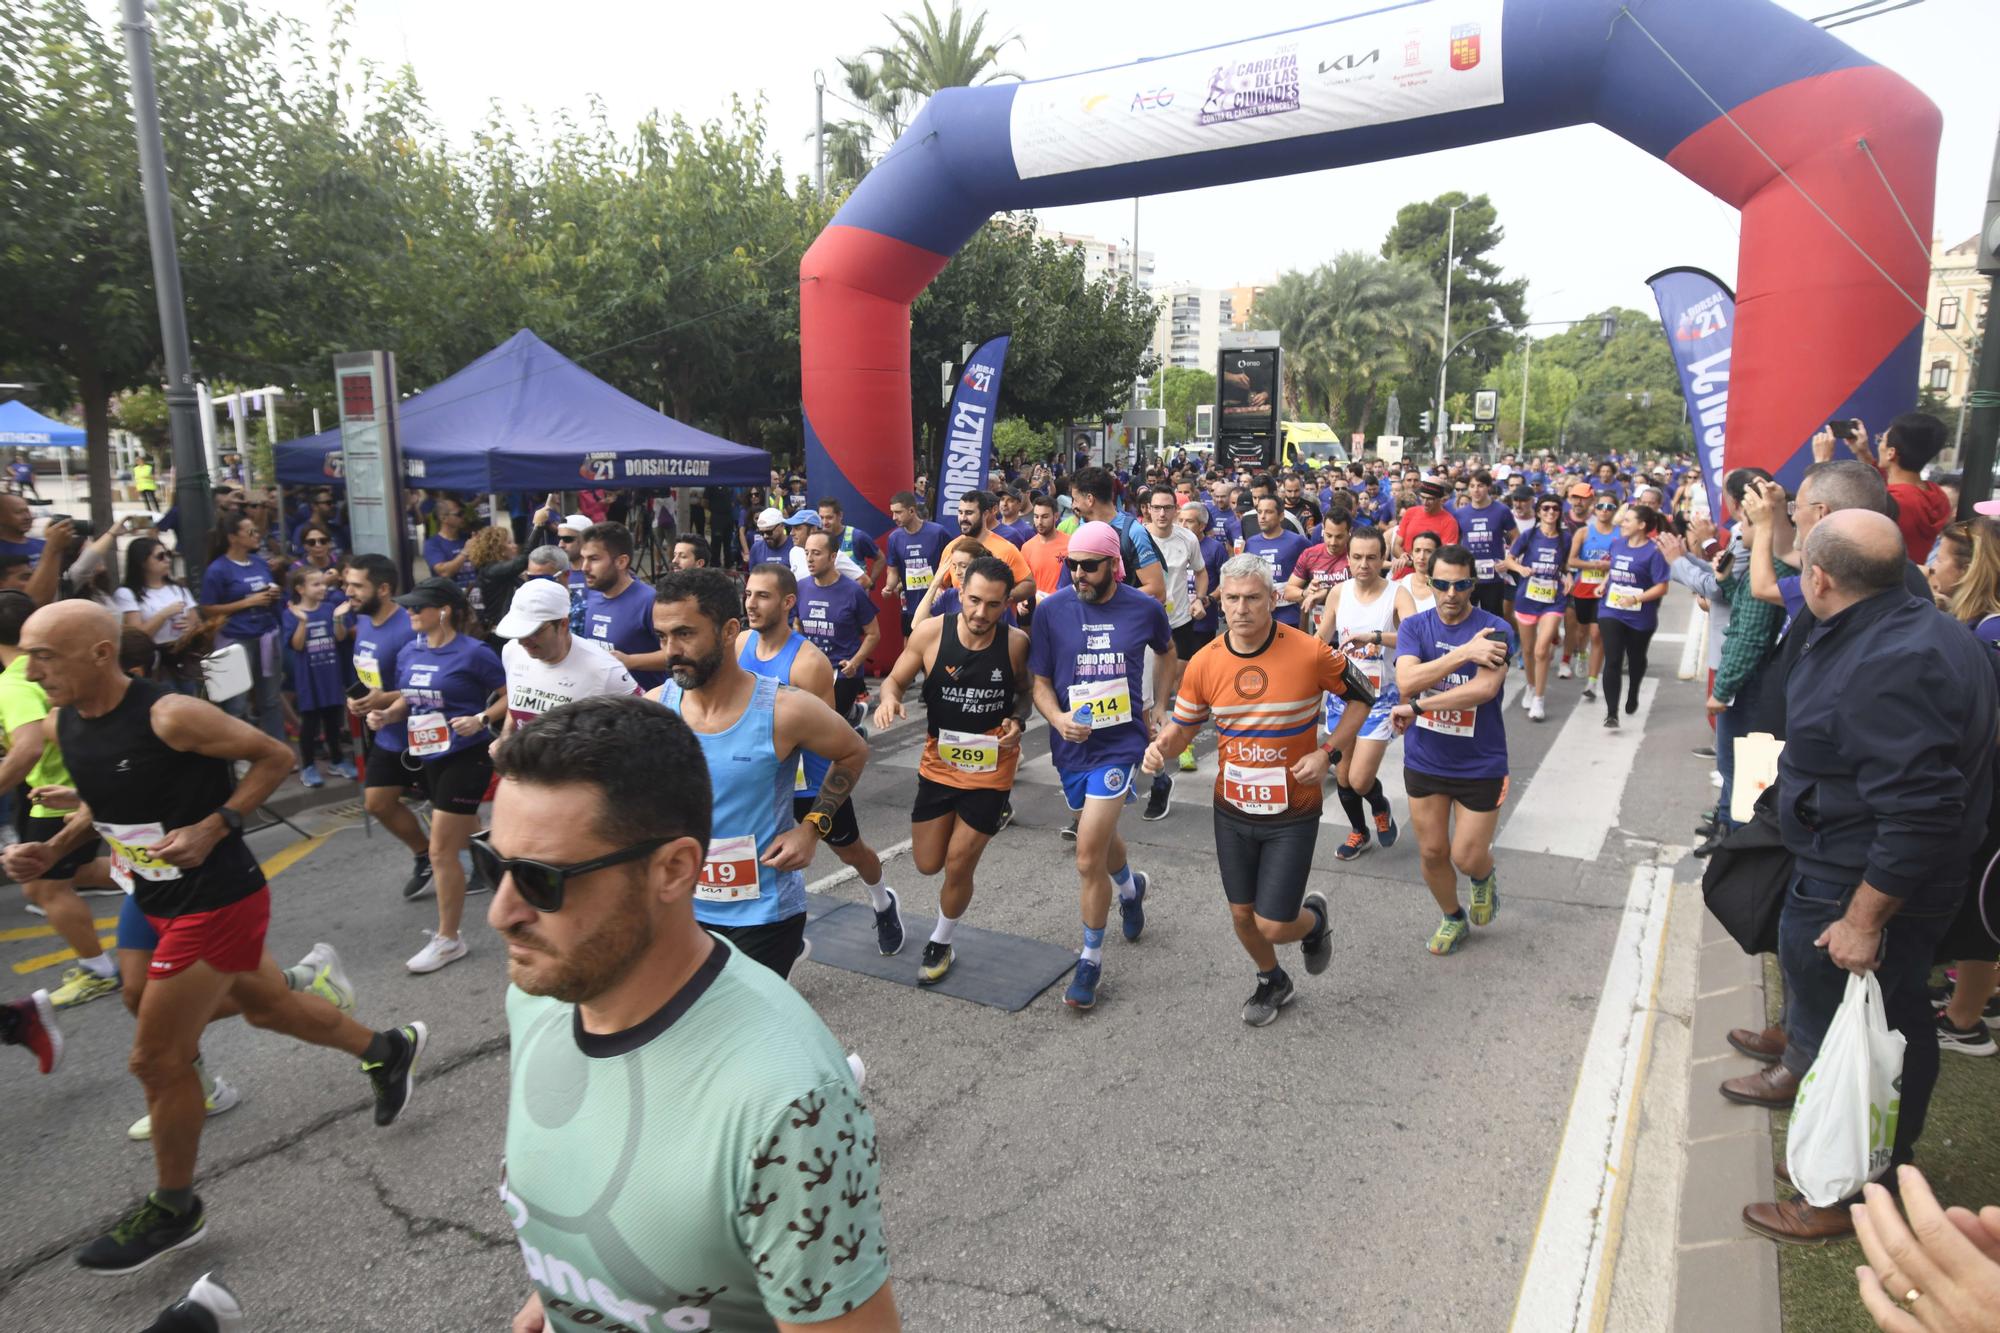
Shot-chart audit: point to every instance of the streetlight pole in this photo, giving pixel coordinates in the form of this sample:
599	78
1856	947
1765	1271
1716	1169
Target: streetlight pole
1450	258
191	493
1527	359
819	133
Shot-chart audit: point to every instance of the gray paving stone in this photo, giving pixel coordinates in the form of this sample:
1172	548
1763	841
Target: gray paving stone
1731	1286
1725	966
1723	1175
1715	1015
1711	1115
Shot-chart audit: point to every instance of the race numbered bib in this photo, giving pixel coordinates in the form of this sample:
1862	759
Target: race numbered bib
429	734
1590	578
1256	791
132	855
729	874
1484	570
1542	588
969	751
1449	721
368	670
1621	597
1371	667
917	574
799	776
1109	703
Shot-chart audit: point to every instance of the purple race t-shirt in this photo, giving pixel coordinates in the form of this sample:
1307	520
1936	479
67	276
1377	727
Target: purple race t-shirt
1086	650
1463	743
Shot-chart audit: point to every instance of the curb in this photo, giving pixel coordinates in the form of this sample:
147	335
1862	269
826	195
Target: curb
1725	1277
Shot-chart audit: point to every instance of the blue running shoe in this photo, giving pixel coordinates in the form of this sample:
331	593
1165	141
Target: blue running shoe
1132	911
1385	830
347	770
1082	992
309	775
889	926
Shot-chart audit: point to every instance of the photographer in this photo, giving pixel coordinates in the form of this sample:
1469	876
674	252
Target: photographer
1911	442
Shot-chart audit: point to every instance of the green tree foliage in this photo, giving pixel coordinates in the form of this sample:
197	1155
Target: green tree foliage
888	83
1481	295
1183	390
1351	330
1593	396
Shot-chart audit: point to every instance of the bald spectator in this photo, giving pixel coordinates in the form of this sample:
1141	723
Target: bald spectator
1883	793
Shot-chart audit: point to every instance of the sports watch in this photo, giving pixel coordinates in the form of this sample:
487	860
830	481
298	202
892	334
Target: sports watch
822	823
231	819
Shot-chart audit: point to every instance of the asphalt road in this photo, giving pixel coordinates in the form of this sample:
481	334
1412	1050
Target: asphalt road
1376	1159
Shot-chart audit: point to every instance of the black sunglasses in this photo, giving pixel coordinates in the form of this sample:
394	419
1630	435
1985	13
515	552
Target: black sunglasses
1454	585
541	884
1086	566
318	541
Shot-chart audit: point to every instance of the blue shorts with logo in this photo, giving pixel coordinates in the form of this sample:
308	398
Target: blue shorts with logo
1378	727
1106	782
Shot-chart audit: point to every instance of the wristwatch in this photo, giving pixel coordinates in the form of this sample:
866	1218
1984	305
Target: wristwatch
231	820
822	823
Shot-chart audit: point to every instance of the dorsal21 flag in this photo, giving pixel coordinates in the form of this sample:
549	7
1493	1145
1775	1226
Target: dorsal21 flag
968	428
1700	317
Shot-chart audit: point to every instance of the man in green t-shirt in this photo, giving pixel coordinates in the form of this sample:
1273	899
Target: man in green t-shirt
686	1145
29	734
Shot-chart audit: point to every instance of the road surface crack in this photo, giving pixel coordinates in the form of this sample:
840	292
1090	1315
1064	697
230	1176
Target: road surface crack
419	1225
1050	1303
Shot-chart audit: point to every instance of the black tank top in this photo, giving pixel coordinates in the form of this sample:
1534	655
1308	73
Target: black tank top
971	689
130	778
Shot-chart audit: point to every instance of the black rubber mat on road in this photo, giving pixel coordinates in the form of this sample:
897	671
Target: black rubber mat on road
1004	971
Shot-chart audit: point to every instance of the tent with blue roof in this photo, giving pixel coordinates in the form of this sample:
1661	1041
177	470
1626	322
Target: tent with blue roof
23	425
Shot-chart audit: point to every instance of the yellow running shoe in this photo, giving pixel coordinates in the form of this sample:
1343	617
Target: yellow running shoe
1451	933
1187	760
80	986
1485	899
937	961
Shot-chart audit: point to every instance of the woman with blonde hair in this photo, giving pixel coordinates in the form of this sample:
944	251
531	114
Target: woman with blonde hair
1971	943
499	564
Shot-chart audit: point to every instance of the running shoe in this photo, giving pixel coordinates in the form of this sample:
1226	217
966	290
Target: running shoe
1590	690
938	959
224	1312
329	981
1451	933
1941	996
1536	713
1317	946
1082	992
438	951
1132	911
80	985
1385	830
1611	721
1704	752
1187	760
35	1028
346	769
222	1097
1006	816
1631	703
1975	1040
475	879
1485	899
309	775
1160	799
393	1079
889	926
1357	843
1527	701
1269	997
420	878
141	1236
1069	834
1563	672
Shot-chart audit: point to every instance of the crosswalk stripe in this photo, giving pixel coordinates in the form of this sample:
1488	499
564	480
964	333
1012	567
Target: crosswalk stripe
1573	801
43	932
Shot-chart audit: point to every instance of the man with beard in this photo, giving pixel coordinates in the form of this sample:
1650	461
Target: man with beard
616	611
669	1059
976	512
752	729
771	647
382	630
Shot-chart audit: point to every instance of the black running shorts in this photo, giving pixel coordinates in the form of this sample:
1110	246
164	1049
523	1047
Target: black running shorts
1586	609
775	944
1188	640
1265	865
40	829
846	832
1476	794
978	808
1491	595
457	782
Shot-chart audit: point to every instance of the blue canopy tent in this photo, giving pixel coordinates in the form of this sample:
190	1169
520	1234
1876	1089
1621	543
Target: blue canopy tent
524	417
23	425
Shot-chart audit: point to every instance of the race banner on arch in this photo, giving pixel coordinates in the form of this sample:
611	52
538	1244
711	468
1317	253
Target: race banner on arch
968	428
1700	318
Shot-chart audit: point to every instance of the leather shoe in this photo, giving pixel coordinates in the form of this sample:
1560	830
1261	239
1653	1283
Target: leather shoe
1768	1045
1781	1172
1773	1087
1796	1222
1709	846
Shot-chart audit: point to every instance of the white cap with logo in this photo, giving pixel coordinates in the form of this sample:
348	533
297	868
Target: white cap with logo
535	604
577	523
770	518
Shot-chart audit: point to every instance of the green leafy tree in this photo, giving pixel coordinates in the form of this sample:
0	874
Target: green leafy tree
1183	389
1627	393
1481	295
1351	331
888	83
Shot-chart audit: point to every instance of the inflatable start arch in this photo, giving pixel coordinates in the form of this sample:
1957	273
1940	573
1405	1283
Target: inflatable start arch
1822	331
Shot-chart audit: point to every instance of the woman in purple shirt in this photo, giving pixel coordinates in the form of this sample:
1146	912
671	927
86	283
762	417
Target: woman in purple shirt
1633	587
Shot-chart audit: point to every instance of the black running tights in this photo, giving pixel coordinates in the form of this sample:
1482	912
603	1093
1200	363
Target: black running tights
315	723
1623	645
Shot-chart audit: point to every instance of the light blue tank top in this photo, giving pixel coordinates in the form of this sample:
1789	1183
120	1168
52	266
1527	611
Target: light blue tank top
752	785
1597	545
812	769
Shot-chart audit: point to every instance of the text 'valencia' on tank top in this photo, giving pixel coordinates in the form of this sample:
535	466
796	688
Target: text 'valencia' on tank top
139	789
968	694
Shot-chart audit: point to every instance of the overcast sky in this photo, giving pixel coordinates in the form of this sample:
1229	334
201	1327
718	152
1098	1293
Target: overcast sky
1587	215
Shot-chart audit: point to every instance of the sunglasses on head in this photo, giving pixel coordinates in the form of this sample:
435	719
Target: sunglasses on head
541	884
1454	585
1090	566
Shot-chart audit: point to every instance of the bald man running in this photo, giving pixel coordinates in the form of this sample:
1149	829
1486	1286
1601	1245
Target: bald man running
153	771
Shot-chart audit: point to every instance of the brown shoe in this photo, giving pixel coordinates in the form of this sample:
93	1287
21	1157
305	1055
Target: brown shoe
1768	1045
1781	1172
1796	1222
1773	1087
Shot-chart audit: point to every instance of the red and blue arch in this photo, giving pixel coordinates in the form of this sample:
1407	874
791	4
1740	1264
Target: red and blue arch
1821	333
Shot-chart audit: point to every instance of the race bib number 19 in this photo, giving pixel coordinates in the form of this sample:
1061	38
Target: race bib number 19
729	875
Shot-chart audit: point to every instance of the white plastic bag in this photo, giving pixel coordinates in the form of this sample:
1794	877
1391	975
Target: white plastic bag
1844	1120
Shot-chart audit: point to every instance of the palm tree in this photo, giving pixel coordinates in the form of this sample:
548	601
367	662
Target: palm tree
1350	330
928	55
851	144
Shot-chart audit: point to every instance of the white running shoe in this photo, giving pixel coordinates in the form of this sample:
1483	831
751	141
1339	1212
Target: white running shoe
441	949
219	1301
1527	701
329	981
1535	710
222	1097
859	1070
1563	672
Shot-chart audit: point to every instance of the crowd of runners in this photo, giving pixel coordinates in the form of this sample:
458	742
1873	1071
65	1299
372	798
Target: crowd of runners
663	760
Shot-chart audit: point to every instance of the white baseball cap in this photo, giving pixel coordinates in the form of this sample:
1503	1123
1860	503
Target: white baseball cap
770	518
535	604
577	523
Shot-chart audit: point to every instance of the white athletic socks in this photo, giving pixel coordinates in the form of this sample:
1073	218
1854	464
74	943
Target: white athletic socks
100	966
878	896
941	933
1121	880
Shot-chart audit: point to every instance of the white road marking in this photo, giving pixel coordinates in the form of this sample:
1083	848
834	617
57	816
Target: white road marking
845	873
1573	801
1575	1240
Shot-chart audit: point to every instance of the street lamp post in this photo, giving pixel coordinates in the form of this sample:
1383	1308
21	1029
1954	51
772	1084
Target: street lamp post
1450	258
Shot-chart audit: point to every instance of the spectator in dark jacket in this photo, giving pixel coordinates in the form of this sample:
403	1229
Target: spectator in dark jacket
1883	791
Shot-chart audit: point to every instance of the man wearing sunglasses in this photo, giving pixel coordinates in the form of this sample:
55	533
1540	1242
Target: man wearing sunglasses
751	733
664	1090
1088	658
1451	666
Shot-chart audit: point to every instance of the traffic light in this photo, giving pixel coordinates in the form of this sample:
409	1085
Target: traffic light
1424	422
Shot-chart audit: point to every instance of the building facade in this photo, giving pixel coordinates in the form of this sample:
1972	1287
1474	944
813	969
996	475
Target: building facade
1188	331
1103	259
1957	318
